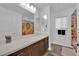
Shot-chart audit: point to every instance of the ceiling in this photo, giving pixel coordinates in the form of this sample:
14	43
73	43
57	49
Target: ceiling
15	7
56	6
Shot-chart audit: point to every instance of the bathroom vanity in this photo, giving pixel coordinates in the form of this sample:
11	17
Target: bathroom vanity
35	49
35	45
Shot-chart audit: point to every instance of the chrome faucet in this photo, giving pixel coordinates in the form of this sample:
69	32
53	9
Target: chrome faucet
8	38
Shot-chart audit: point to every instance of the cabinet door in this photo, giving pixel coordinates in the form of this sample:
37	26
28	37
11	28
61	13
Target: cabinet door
26	51
46	43
35	50
41	47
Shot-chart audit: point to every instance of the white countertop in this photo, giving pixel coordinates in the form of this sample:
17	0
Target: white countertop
15	45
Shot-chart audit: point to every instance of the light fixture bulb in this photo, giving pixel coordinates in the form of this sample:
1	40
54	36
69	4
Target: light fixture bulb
34	9
45	17
31	7
28	4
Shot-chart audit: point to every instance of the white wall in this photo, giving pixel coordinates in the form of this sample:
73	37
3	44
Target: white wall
61	39
10	22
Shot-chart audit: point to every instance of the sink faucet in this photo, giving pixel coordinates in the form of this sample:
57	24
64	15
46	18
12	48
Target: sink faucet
8	38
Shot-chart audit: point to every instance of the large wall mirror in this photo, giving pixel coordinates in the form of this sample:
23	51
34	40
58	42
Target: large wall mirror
28	24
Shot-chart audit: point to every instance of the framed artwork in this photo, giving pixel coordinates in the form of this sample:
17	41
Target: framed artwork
27	27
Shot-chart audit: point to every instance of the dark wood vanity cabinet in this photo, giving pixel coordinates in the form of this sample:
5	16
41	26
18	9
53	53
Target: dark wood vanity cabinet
22	52
37	49
46	43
